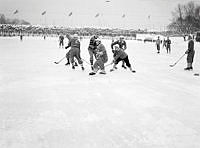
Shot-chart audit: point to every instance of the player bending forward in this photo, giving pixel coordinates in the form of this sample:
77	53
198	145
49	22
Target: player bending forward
68	53
120	55
75	51
101	58
122	45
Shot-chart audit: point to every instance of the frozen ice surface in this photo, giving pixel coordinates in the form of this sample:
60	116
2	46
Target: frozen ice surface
44	105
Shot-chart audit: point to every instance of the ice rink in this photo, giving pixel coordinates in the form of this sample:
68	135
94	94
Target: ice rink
44	105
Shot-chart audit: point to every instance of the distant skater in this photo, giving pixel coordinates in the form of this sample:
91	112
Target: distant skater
164	43
168	45
158	42
21	37
61	41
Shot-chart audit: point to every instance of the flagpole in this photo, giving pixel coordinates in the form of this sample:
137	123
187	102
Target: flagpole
149	20
44	14
123	17
45	21
98	19
16	13
69	16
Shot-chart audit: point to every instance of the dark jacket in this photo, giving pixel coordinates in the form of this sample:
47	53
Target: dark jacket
122	44
190	46
92	44
73	43
119	54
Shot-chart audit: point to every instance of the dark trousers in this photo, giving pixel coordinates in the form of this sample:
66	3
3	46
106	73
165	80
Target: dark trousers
92	55
190	57
61	43
158	47
168	48
75	53
126	60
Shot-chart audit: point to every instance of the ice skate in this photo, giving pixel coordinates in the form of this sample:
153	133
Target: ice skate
111	70
188	68
67	64
102	72
133	71
92	73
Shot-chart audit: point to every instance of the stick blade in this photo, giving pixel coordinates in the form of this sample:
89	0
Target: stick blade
171	65
56	62
196	74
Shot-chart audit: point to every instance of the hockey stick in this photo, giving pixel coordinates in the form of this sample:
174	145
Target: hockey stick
109	64
172	65
60	60
86	61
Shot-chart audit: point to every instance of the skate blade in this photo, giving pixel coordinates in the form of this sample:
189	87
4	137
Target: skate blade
92	73
102	73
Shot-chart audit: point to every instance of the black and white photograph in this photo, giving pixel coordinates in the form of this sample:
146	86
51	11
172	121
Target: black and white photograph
99	73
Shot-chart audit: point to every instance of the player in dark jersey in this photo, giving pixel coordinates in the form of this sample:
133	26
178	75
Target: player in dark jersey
190	53
91	49
168	45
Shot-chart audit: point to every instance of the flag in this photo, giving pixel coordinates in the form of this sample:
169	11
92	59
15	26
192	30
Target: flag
97	15
123	16
16	11
70	14
43	13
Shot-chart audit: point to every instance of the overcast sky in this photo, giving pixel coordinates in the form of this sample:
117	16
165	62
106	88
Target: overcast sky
84	11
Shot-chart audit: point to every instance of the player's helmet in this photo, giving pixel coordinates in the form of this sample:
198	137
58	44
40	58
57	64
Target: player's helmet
121	37
75	36
98	41
96	36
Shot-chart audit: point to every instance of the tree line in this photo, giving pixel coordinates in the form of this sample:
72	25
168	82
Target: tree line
4	20
186	18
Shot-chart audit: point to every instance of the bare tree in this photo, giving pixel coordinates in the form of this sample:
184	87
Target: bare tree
186	18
